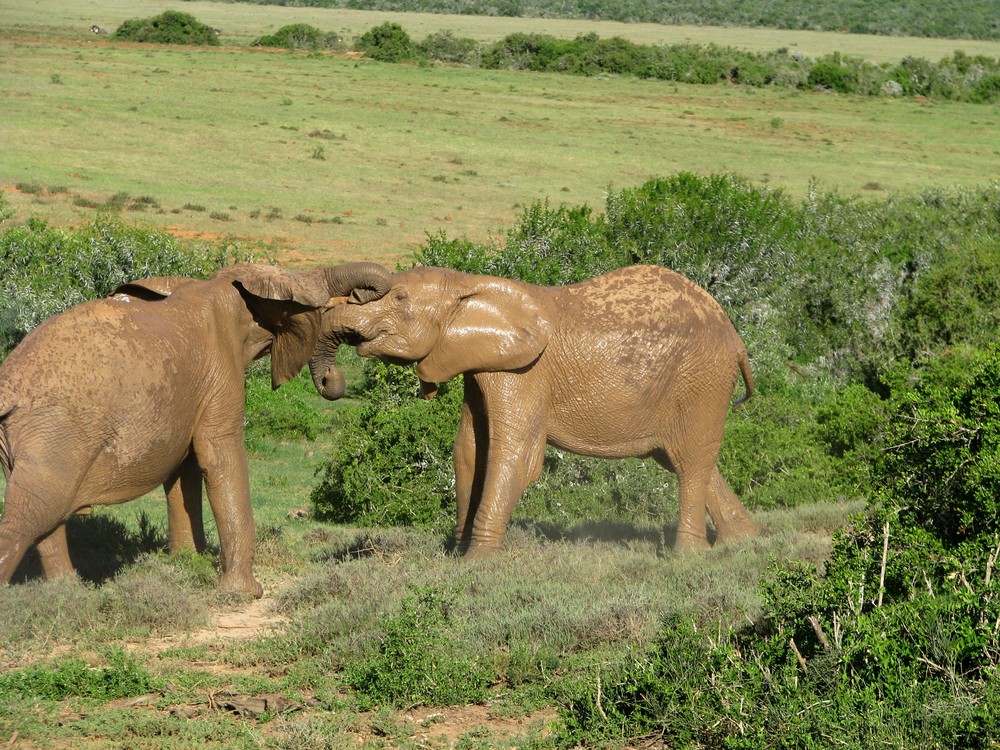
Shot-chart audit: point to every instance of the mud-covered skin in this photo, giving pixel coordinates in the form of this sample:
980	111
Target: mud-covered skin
103	403
638	362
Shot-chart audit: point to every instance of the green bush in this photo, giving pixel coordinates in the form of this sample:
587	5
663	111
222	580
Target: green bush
122	678
301	36
447	47
392	462
414	665
943	455
387	43
170	27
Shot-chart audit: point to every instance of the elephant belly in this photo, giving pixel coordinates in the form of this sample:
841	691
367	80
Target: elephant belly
121	473
609	430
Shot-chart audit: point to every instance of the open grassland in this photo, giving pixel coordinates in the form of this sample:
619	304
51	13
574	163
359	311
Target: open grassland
331	157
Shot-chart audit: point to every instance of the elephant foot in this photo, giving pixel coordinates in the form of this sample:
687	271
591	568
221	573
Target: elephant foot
479	551
241	584
691	543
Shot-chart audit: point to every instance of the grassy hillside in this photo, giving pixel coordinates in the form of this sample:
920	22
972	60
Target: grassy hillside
329	157
968	19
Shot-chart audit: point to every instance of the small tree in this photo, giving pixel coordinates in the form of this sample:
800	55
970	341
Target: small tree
387	43
170	27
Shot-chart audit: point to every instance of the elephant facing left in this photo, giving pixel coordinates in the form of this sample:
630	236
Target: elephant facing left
114	397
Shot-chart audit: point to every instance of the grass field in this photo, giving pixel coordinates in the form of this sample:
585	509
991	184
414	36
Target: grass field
330	157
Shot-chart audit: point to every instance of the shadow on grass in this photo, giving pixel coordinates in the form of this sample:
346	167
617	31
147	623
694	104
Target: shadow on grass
99	547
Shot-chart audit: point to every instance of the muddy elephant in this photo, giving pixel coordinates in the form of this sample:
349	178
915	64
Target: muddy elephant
117	396
638	362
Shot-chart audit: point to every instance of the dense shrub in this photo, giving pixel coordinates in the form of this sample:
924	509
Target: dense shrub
301	36
962	77
392	462
170	27
388	43
446	47
414	665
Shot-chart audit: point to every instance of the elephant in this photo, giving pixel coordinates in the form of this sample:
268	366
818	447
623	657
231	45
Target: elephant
114	397
638	362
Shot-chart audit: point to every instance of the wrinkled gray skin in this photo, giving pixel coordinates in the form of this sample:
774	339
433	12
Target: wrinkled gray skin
101	404
638	362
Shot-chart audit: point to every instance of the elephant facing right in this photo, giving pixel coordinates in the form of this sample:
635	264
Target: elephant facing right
639	362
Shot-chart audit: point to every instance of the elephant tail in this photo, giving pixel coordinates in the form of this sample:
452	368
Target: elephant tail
744	363
7	407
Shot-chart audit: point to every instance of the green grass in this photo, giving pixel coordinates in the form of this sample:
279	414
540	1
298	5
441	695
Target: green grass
231	130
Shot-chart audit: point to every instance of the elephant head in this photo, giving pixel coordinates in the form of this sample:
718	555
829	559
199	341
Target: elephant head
286	306
444	321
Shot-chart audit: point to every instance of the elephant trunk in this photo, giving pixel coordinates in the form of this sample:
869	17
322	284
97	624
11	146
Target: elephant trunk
362	282
327	377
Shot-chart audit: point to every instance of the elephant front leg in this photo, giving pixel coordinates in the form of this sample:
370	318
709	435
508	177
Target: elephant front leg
227	482
469	464
513	459
185	524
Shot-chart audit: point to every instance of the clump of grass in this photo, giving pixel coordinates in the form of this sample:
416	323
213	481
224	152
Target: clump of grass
194	207
117	201
220	216
31	188
79	200
328	135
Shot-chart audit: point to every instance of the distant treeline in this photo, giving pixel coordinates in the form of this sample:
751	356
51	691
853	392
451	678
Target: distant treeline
960	77
958	19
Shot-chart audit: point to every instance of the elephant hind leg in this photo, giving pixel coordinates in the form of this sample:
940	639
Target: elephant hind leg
185	523
54	552
731	518
25	521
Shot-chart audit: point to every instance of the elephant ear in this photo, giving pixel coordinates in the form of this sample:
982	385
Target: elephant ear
157	287
498	326
289	307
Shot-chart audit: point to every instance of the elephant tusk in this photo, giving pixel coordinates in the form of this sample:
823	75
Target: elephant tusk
334	301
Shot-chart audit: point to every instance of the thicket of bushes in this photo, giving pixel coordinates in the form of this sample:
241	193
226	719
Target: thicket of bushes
301	36
962	19
960	77
170	27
